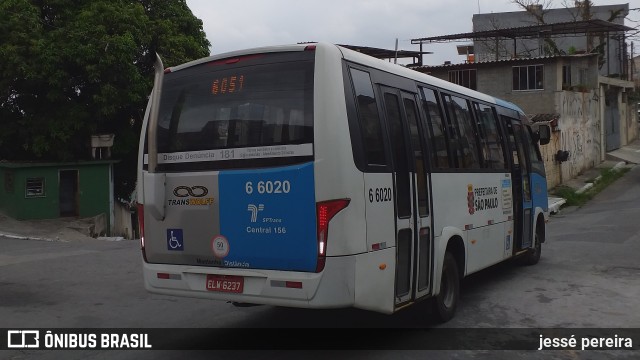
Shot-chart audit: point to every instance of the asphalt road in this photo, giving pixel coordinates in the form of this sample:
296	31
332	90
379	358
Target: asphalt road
588	277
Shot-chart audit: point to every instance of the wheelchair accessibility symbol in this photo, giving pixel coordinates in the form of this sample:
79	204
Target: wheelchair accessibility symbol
175	240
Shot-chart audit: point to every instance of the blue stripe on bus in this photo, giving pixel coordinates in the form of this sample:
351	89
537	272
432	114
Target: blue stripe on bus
539	197
269	218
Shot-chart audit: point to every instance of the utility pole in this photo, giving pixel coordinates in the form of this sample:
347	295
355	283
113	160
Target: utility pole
632	64
396	59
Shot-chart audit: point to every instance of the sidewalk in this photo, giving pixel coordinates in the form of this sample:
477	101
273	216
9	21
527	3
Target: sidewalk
63	229
44	230
629	153
627	156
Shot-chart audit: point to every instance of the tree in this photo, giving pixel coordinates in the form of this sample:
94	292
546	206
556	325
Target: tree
538	9
72	68
579	11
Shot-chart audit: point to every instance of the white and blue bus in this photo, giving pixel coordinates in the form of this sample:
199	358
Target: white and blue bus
314	176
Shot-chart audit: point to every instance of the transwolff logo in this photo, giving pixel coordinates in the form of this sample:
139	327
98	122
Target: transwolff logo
254	211
194	191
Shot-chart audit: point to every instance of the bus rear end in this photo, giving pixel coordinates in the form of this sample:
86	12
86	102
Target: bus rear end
230	211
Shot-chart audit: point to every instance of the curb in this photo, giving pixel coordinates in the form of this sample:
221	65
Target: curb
619	165
585	188
588	186
20	237
555	203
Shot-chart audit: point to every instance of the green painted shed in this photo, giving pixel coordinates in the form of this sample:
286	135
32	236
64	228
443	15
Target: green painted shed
30	191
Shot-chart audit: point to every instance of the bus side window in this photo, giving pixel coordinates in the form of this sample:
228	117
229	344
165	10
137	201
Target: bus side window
437	131
537	164
368	117
463	137
415	124
490	139
399	151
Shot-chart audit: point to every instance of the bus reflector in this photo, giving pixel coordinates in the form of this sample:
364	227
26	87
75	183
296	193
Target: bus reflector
310	48
294	284
379	246
325	211
141	226
167	276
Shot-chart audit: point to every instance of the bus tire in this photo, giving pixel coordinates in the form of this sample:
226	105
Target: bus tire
533	256
444	305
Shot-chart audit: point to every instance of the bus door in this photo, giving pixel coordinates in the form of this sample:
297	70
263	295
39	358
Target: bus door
413	223
520	174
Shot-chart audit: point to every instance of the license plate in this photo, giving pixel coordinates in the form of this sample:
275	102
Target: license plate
225	283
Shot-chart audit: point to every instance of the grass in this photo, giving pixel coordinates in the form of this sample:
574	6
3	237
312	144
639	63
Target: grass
607	177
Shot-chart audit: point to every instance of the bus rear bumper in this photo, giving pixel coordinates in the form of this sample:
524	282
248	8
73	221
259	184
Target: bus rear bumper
332	288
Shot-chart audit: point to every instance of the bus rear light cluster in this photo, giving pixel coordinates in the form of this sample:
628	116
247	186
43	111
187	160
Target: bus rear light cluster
325	211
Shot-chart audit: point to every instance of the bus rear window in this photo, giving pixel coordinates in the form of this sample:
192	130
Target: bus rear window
261	108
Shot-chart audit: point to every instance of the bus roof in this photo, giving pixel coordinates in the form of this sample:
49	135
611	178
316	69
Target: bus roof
509	105
363	59
252	51
412	74
428	79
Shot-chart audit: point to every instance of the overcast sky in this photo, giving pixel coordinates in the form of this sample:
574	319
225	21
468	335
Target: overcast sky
233	25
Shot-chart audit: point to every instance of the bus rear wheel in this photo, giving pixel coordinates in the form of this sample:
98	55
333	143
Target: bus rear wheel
444	305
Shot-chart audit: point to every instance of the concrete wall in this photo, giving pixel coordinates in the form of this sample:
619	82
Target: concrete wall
628	121
629	117
633	122
123	225
485	50
580	132
497	80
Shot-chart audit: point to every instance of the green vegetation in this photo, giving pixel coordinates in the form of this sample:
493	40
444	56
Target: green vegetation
71	69
607	177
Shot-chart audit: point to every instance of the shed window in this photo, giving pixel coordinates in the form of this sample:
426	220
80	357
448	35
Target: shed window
35	187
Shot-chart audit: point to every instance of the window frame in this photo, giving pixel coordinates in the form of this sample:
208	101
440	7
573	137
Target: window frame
41	194
459	78
380	125
537	68
484	139
566	76
459	133
432	144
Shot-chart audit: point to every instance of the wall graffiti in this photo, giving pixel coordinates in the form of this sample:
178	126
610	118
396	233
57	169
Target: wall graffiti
579	133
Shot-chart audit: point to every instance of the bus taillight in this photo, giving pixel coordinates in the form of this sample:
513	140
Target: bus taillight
325	211
141	225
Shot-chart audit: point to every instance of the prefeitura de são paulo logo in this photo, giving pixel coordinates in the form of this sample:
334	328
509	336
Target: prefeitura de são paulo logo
470	199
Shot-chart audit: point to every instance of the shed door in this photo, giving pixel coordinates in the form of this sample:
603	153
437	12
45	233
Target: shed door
69	193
